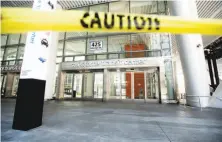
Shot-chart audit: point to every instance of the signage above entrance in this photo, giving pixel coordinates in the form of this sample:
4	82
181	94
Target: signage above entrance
113	63
11	68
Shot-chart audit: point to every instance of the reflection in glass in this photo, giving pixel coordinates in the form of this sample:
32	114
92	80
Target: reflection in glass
58	59
88	85
68	58
68	85
98	8
122	6
23	38
15	85
117	44
143	7
75	47
13	39
98	85
10	53
79	58
61	35
2	53
60	49
114	85
3	40
77	86
21	52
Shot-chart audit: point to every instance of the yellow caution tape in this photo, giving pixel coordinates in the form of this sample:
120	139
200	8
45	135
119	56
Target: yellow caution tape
16	20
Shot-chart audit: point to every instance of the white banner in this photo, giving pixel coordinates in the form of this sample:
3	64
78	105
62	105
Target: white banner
37	47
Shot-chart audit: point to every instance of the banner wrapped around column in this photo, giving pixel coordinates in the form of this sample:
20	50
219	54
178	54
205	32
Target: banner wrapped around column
37	69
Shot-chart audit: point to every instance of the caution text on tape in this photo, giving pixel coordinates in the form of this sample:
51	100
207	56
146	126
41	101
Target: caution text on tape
25	20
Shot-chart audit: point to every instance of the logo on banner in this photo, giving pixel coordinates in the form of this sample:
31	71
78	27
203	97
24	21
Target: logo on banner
42	59
32	40
45	42
51	5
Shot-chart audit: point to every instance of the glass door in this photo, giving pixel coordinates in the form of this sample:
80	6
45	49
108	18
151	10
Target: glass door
88	85
139	85
114	83
98	85
77	85
68	85
15	85
3	83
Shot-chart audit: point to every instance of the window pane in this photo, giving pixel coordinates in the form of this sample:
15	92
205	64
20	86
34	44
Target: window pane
79	58
68	58
75	47
143	7
77	34
161	7
60	49
113	56
117	43
98	8
68	81
2	53
21	52
11	53
58	59
3	40
138	42
11	63
13	39
155	41
165	44
23	38
72	35
61	35
101	57
122	6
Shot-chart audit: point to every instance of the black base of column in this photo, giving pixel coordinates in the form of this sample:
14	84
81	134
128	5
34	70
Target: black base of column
29	104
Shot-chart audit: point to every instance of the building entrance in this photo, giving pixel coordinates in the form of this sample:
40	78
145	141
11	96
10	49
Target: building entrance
3	84
138	84
9	84
118	79
85	85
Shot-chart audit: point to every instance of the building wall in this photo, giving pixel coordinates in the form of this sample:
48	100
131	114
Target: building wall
75	46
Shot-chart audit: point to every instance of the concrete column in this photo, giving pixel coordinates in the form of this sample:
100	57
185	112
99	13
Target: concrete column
192	56
9	84
61	84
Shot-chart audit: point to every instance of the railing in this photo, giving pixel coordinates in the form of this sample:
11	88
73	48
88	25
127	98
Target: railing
118	55
100	56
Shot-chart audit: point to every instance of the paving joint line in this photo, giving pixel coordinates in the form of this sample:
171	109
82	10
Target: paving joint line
163	131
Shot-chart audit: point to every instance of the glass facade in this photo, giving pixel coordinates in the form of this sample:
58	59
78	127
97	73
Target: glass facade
77	46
